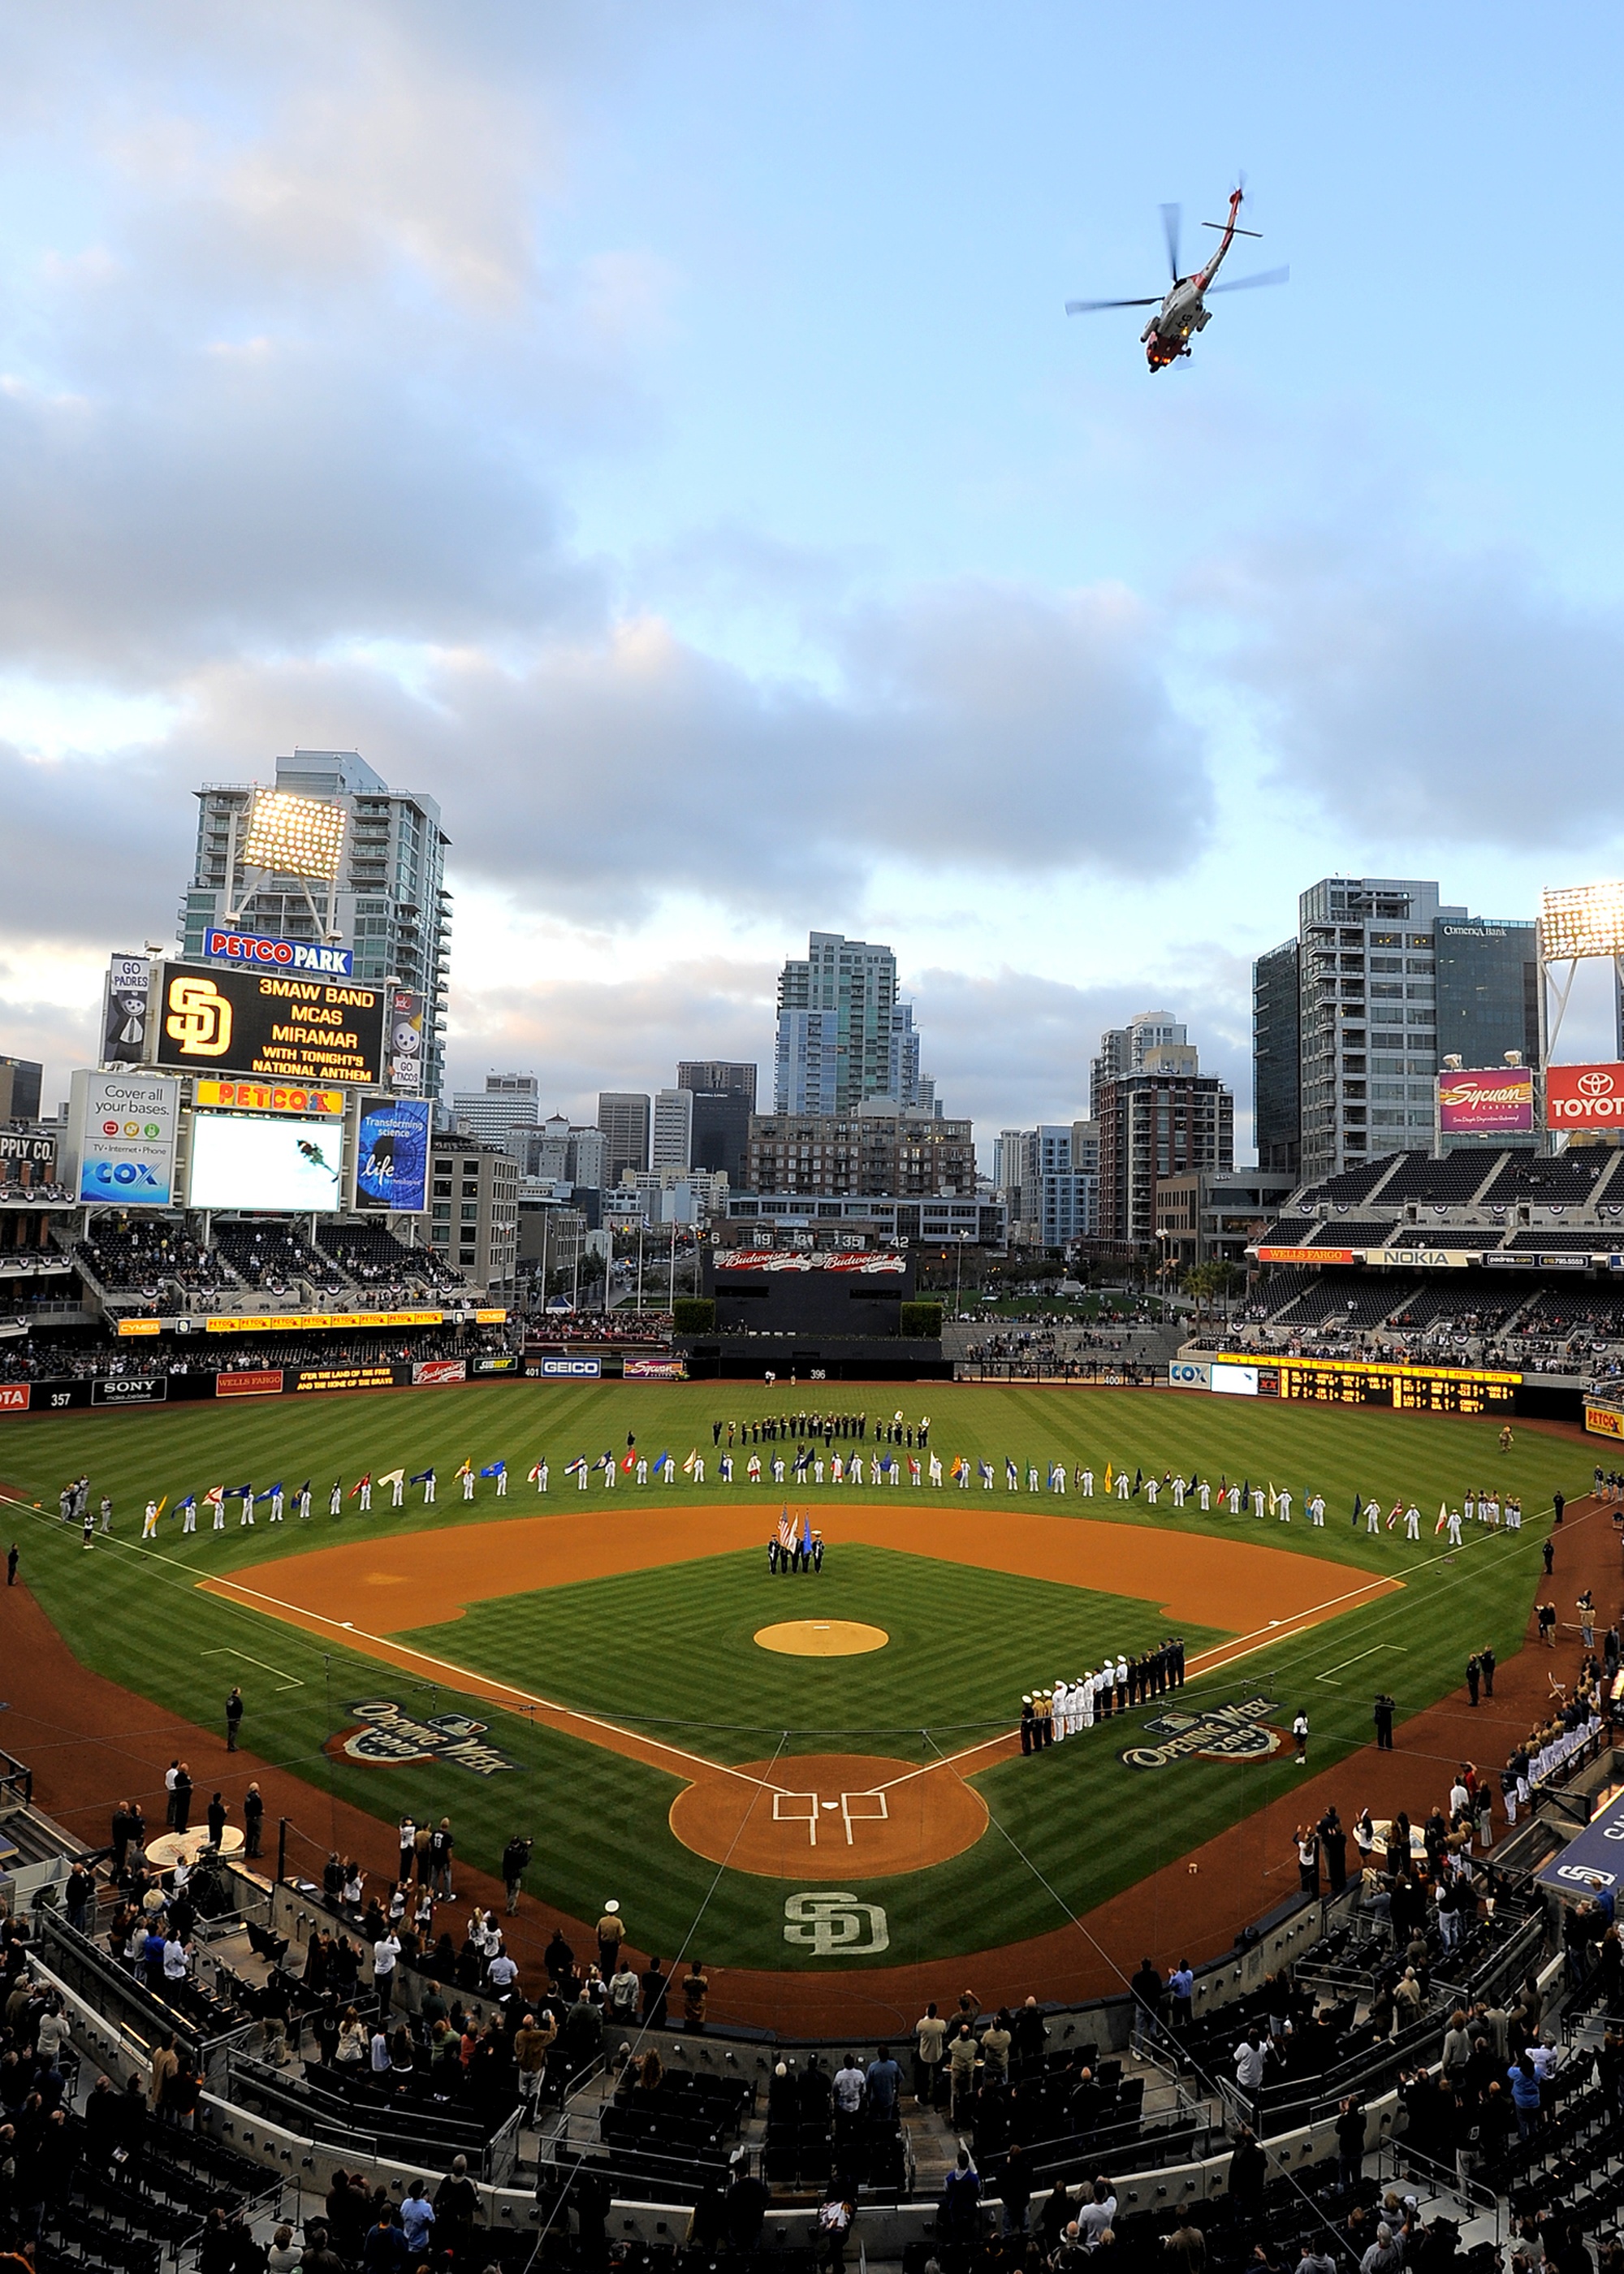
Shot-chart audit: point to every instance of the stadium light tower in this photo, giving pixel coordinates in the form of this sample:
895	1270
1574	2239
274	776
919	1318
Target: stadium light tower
1578	923
286	835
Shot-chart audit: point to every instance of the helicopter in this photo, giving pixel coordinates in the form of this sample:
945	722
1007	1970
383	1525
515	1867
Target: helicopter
1184	309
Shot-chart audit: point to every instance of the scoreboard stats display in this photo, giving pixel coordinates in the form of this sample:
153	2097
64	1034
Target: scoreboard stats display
1410	1389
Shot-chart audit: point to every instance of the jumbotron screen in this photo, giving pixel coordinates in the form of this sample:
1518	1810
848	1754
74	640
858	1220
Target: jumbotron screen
265	1160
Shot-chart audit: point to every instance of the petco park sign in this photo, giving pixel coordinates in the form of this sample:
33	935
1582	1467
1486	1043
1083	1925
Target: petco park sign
1584	1097
289	955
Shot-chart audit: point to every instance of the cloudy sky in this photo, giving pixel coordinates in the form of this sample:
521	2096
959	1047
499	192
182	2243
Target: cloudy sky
654	431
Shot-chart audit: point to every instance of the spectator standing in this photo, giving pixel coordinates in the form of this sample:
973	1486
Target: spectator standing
930	2046
234	1718
516	1856
253	1821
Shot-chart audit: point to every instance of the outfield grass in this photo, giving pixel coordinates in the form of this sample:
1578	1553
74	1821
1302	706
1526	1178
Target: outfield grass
674	1642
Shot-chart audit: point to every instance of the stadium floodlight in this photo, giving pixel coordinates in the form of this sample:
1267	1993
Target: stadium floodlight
294	836
1578	922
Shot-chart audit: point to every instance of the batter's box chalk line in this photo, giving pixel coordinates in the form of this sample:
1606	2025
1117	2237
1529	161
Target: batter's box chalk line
808	1808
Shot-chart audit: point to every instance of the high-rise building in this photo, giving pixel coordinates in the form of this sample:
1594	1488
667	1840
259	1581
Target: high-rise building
623	1117
1122	1050
671	1137
474	1208
717	1076
387	903
843	1035
901	1156
1159	1116
1389	979
21	1082
508	1107
1277	1071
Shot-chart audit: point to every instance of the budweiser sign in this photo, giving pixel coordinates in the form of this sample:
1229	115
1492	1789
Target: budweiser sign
1584	1097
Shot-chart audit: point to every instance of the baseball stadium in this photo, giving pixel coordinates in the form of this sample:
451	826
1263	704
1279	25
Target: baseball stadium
790	1764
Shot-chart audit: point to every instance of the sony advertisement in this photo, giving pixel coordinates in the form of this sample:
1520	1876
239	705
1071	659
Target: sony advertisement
392	1155
279	1026
121	1140
1584	1097
1485	1101
244	1161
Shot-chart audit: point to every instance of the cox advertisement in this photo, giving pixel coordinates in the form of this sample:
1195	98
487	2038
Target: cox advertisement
283	1025
391	1159
120	1139
1584	1097
1189	1374
1486	1100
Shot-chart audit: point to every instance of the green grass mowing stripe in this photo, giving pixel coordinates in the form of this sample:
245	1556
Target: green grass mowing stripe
104	1604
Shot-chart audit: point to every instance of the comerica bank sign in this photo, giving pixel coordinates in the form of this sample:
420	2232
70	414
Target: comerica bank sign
285	955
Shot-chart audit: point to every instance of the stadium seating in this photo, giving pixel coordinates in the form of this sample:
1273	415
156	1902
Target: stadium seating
1449	1183
380	1265
272	1257
144	1258
1352	1185
1548	1180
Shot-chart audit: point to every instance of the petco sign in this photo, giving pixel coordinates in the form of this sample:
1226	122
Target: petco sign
1584	1097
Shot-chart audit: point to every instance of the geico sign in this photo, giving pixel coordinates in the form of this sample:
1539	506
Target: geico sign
1577	1096
588	1369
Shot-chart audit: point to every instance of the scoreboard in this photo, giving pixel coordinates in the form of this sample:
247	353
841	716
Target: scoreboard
1412	1389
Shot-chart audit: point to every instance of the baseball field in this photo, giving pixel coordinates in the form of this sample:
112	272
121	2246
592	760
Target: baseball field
795	1773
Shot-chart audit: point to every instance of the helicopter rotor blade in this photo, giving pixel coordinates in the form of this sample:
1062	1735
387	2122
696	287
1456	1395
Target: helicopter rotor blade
1090	308
1248	283
1169	229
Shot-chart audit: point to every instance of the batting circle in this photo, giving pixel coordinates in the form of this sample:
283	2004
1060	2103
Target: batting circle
828	1816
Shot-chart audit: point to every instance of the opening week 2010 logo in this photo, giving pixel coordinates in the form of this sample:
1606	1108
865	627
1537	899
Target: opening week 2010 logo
392	1738
1218	1733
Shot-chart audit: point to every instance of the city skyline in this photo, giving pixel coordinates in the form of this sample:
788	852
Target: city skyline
671	457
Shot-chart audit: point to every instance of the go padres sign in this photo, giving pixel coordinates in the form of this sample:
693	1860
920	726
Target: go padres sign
1584	1097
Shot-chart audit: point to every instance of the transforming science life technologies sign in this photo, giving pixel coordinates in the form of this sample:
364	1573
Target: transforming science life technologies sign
1584	1097
392	1156
279	1026
1481	1100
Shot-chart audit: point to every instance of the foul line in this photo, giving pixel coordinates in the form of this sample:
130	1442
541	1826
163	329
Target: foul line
284	1679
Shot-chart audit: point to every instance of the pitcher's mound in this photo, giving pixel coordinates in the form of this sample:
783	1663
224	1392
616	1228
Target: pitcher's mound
822	1637
828	1816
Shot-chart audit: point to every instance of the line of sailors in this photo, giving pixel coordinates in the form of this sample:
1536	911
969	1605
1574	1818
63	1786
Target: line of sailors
1047	1716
